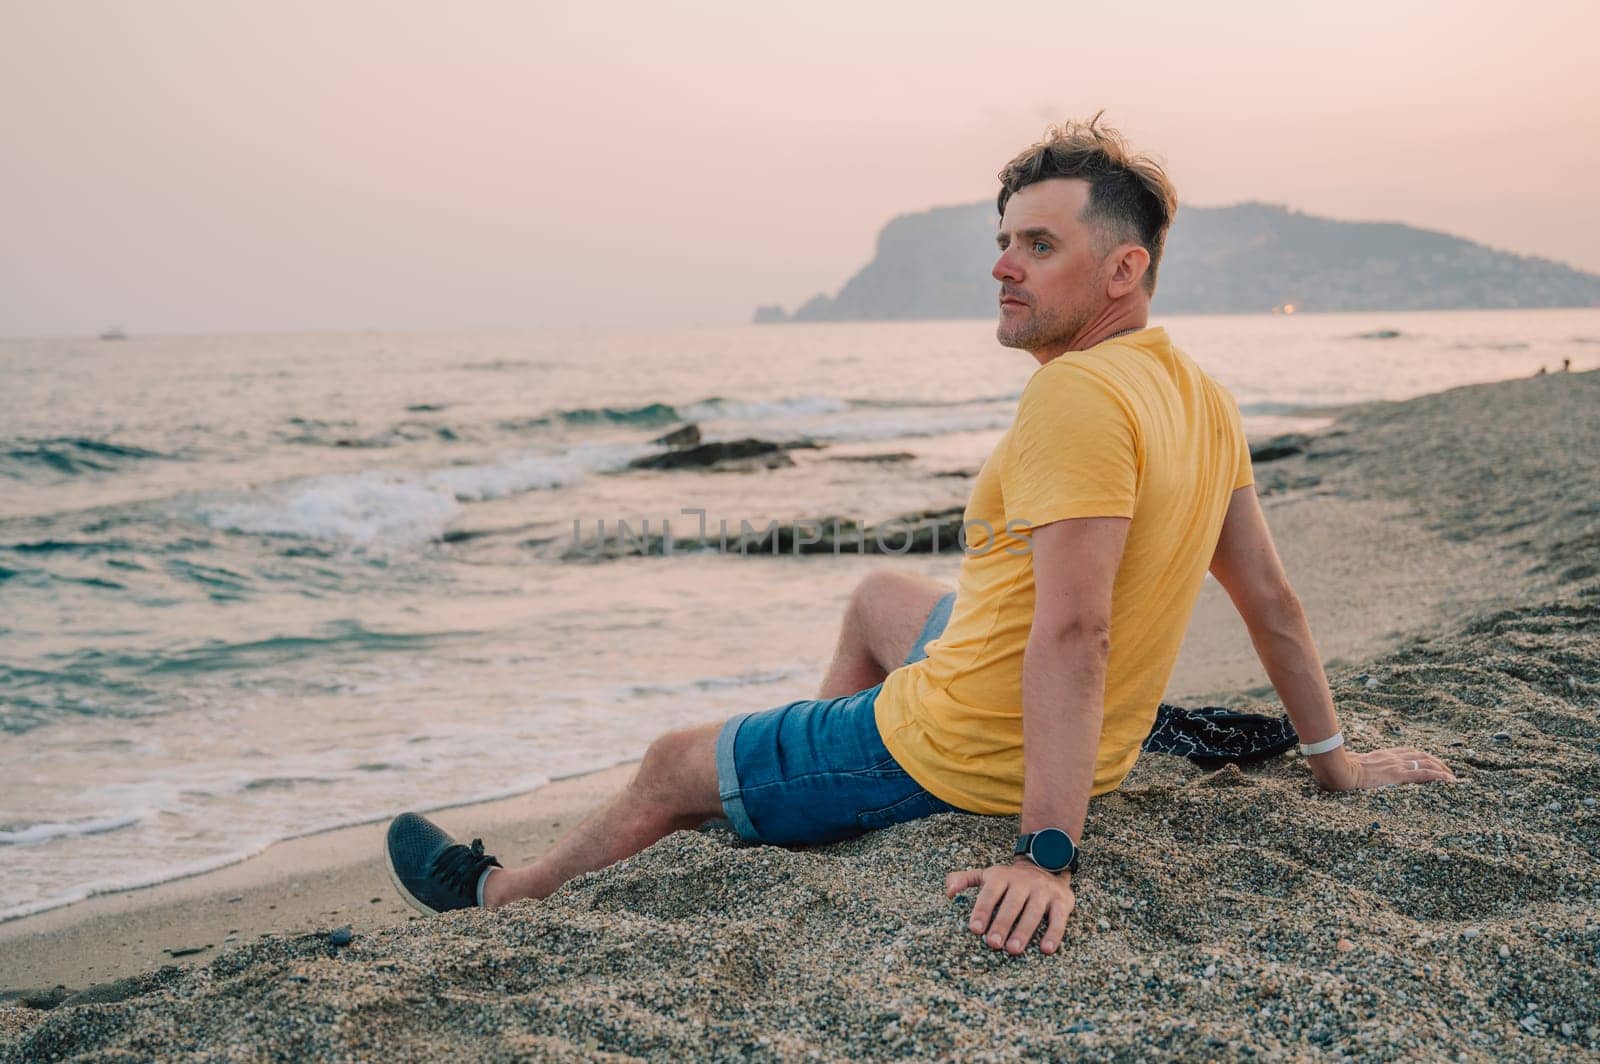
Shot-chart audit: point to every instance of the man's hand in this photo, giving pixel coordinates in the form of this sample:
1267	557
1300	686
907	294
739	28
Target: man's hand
1014	899
1378	768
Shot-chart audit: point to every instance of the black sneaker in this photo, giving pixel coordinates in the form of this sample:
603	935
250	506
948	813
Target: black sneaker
432	871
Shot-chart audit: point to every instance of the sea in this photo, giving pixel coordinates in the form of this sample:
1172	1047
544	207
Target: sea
258	586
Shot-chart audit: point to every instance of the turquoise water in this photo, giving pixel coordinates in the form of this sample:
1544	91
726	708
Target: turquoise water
255	586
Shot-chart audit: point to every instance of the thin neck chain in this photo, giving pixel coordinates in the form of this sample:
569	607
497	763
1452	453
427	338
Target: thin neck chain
1125	332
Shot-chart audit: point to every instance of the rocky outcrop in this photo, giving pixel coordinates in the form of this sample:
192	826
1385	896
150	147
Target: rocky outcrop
1248	258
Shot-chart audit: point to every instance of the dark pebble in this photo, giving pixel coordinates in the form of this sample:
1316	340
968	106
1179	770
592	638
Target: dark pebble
340	936
186	951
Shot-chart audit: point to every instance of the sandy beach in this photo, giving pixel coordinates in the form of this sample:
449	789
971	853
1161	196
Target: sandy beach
1447	549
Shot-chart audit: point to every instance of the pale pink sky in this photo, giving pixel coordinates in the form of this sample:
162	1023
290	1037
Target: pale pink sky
220	165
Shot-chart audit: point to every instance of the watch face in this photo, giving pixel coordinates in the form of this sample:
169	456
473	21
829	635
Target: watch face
1052	849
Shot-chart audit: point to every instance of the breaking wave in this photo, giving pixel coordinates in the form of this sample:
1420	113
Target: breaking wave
399	509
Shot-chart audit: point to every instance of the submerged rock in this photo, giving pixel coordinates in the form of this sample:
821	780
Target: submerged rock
683	436
721	455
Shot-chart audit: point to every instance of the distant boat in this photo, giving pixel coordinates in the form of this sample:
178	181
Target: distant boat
113	333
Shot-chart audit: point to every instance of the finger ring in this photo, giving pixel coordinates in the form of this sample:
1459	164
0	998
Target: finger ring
1415	766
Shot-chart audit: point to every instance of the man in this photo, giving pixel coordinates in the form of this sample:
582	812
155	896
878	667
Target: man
1123	478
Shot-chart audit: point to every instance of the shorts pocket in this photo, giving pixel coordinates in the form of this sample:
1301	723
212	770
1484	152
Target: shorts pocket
913	806
886	769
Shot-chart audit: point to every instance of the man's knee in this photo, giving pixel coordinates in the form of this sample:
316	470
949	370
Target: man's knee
878	590
862	593
679	771
887	610
662	767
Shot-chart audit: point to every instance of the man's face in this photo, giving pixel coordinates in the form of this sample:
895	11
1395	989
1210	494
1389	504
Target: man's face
1049	268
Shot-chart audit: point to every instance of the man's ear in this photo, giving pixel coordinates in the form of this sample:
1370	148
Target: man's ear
1128	270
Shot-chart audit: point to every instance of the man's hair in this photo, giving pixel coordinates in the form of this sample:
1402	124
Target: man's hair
1131	199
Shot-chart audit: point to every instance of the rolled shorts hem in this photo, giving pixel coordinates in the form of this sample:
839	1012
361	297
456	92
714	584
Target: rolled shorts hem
728	788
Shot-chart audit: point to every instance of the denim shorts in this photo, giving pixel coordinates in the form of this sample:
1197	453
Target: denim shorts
816	770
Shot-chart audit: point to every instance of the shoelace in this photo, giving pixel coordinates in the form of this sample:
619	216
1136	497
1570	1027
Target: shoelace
459	867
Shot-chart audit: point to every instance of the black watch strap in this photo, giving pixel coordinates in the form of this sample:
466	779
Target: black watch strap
1051	849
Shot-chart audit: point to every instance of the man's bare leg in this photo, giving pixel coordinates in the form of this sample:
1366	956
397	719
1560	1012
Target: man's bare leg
674	789
676	785
886	613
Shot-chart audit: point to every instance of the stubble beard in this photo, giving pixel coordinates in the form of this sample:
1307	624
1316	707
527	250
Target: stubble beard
1038	330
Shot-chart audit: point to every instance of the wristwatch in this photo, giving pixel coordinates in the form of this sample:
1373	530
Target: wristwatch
1051	849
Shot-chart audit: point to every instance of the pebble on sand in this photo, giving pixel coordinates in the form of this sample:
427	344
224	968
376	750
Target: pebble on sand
185	951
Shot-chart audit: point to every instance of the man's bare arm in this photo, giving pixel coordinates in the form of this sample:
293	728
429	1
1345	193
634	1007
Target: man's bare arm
1064	667
1063	704
1247	566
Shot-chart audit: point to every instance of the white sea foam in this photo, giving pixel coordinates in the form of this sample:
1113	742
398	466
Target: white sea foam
247	845
399	509
134	881
360	508
532	472
823	418
33	834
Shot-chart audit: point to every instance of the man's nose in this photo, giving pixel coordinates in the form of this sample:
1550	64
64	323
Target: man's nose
1006	268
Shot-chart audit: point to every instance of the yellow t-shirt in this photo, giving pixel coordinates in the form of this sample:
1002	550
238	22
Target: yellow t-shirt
1132	427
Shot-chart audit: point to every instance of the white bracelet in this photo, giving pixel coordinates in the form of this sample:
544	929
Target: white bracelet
1332	742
